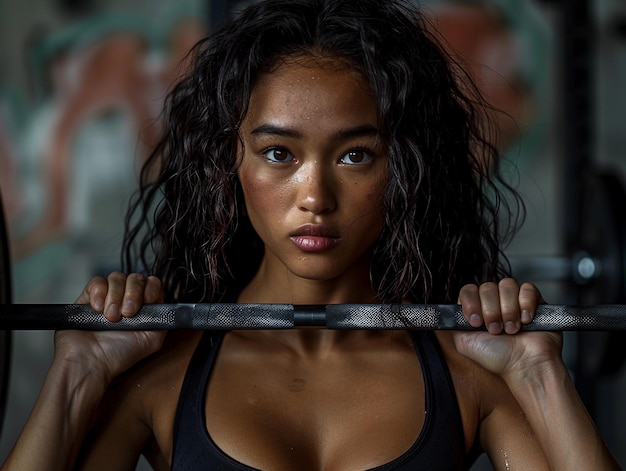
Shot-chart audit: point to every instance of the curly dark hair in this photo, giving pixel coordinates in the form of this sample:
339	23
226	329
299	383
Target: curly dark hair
447	207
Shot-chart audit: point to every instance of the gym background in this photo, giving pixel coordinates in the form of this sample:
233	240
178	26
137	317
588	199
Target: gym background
82	83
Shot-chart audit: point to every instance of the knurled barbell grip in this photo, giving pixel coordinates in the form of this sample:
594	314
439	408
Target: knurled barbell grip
548	317
218	316
225	316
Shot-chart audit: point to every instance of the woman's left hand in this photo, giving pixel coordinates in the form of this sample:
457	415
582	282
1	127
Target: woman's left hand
502	308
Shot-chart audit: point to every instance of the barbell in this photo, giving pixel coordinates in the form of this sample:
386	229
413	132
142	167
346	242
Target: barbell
235	316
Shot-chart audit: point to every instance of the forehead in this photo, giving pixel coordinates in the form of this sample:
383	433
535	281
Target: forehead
310	89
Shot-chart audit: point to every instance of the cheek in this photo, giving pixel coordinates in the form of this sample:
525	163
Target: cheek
372	198
264	198
365	216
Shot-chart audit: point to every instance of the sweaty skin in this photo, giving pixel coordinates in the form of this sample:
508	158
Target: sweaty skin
313	173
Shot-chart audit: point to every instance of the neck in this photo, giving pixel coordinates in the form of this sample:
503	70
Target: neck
280	286
275	285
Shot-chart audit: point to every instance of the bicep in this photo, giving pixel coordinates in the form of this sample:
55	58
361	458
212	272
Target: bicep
507	437
117	436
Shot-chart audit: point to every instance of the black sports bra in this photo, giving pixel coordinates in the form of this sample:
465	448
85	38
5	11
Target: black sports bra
439	446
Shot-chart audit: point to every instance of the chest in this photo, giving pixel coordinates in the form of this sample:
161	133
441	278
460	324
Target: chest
276	409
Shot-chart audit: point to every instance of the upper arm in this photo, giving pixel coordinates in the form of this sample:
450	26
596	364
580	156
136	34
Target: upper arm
492	418
504	432
118	432
138	412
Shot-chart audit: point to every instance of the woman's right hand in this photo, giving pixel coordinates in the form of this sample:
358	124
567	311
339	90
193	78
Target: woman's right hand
110	353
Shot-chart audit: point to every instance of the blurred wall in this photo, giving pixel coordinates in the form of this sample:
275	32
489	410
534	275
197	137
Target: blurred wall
80	93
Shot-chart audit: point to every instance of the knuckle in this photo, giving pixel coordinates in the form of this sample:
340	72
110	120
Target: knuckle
529	289
135	277
488	289
134	284
489	296
155	282
490	313
468	292
153	290
490	300
510	312
116	275
508	285
116	284
508	280
116	278
469	288
97	285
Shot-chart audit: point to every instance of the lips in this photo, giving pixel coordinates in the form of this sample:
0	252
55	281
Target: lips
315	238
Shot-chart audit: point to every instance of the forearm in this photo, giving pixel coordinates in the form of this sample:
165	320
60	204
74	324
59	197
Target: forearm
558	417
57	424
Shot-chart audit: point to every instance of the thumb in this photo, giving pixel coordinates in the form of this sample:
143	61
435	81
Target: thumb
490	351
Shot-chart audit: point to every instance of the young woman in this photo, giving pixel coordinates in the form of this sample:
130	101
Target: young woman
318	152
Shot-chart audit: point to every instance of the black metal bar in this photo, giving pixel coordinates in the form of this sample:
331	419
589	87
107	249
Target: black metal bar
309	315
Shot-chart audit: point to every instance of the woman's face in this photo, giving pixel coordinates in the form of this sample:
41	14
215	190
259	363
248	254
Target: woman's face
314	171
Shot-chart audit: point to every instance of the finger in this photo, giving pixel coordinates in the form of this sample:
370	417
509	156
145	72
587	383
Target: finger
153	291
529	298
94	293
469	299
509	305
490	307
133	294
115	295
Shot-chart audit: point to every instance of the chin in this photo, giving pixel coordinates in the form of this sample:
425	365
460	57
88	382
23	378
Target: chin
317	270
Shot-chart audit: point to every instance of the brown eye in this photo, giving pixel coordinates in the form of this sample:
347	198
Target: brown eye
356	157
278	155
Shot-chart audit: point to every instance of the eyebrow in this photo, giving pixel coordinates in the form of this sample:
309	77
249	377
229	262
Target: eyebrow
365	130
276	130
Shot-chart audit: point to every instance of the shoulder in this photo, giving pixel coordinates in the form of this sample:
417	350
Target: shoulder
152	386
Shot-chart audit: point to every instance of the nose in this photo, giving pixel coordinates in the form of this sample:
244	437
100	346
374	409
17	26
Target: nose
317	189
